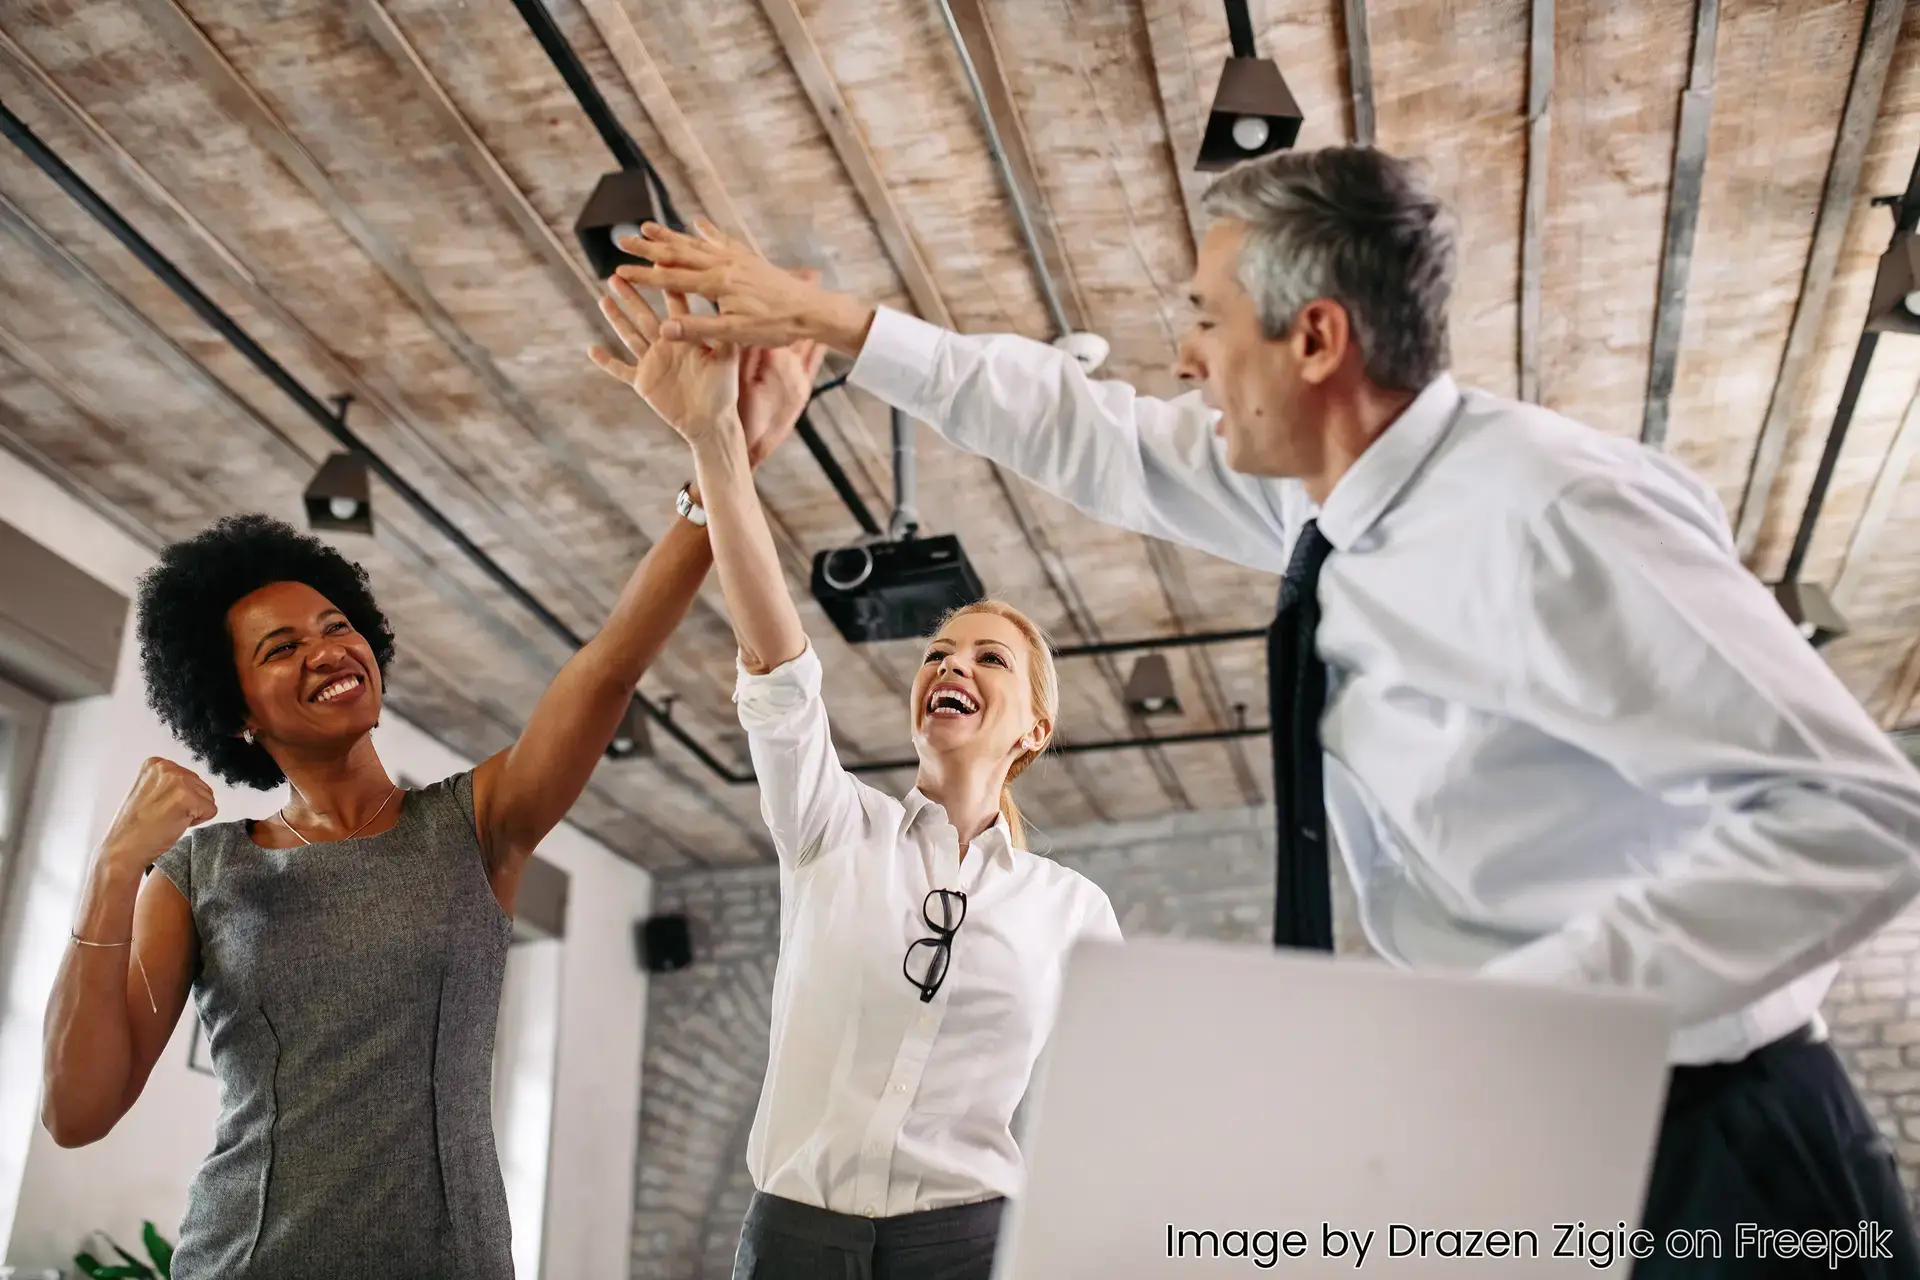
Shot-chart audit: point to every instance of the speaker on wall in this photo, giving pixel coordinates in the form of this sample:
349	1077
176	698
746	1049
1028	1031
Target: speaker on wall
665	944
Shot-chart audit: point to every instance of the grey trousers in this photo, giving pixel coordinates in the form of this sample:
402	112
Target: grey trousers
785	1240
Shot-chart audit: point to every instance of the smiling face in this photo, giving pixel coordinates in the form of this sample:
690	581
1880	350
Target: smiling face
974	693
309	678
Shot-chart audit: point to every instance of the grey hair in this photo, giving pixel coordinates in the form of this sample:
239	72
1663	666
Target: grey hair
1359	227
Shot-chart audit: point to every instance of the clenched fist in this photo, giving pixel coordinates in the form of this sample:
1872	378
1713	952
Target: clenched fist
165	801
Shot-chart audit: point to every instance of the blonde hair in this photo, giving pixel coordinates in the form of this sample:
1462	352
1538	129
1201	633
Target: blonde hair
1043	682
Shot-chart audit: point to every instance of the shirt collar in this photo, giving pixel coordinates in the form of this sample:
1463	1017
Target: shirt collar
1383	470
996	842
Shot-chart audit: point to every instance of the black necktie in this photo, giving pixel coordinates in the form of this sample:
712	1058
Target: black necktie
1296	696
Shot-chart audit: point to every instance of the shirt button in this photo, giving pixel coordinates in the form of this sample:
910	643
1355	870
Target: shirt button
868	1211
899	1088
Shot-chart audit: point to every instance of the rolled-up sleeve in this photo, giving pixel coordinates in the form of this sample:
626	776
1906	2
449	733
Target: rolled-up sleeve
1148	465
806	798
1647	645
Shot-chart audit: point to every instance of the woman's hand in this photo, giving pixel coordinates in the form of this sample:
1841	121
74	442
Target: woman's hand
776	384
693	385
760	305
166	800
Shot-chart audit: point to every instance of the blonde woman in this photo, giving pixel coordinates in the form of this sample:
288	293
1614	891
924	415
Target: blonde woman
921	946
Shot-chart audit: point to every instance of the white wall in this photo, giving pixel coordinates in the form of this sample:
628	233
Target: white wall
51	1198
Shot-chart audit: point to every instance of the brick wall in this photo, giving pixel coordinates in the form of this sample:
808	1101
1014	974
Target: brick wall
1191	875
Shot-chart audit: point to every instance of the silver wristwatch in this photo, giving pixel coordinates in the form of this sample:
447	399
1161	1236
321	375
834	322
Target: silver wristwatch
688	508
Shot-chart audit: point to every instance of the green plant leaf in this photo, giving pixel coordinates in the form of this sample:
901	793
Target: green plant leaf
98	1270
134	1270
159	1250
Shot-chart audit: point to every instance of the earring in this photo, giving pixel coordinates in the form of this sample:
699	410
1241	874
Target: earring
247	734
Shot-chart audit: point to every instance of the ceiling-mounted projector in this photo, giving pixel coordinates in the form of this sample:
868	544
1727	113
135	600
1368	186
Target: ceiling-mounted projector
899	587
894	590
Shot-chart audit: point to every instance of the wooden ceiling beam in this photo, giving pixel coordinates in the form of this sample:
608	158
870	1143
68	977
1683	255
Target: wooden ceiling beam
643	76
1181	107
479	157
1533	214
1002	121
1878	35
823	91
1683	217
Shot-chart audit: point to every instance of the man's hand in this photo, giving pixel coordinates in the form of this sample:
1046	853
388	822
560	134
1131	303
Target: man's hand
775	385
693	385
760	304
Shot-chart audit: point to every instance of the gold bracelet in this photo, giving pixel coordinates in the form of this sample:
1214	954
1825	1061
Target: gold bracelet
151	1003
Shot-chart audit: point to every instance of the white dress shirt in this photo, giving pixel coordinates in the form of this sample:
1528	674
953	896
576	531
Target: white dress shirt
874	1102
1568	736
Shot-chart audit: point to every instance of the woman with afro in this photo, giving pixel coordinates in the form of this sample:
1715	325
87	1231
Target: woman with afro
345	952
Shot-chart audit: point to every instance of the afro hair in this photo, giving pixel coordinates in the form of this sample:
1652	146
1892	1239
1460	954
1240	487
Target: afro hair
186	651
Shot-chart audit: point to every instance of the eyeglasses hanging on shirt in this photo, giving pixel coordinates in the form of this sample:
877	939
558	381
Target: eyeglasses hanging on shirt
944	910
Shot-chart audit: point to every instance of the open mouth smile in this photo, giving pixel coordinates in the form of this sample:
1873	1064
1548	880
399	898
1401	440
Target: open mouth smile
952	702
340	687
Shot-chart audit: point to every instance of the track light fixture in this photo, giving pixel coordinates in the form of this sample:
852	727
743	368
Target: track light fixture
1150	690
631	738
1895	307
619	204
1812	611
1254	112
339	499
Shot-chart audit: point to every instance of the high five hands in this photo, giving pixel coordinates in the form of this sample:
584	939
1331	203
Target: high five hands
759	303
705	387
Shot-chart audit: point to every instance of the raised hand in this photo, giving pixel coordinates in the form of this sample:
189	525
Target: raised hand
775	385
166	800
693	385
760	305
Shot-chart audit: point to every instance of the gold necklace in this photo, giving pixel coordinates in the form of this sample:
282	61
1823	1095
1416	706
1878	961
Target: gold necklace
282	815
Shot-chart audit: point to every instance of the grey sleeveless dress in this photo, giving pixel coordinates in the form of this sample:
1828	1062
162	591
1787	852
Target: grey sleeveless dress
349	993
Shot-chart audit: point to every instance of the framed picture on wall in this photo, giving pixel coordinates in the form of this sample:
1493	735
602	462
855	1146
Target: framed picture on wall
197	1059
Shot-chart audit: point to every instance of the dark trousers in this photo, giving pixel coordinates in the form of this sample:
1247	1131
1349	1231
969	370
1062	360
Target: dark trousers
1777	1140
785	1240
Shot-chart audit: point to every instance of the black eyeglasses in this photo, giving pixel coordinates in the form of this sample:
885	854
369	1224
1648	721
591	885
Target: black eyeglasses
944	910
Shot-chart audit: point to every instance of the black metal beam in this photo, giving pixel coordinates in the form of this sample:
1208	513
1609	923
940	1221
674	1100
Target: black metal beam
1240	29
1830	455
837	477
1082	748
1159	642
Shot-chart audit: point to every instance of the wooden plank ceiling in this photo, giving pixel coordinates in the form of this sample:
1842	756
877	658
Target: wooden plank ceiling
381	193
